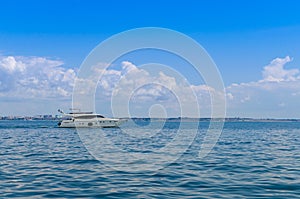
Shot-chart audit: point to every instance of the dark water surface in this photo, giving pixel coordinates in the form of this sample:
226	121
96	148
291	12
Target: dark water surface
250	160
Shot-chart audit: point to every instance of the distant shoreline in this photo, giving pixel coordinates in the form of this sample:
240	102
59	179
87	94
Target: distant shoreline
186	119
178	119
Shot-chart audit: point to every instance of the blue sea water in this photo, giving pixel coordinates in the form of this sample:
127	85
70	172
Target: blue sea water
250	160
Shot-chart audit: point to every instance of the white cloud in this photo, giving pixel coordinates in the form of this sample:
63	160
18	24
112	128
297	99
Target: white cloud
41	78
139	83
10	64
275	95
275	71
34	77
279	87
143	86
230	96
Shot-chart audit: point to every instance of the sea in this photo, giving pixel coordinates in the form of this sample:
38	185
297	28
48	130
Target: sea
246	160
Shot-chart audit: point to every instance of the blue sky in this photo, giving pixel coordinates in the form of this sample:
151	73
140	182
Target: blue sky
241	37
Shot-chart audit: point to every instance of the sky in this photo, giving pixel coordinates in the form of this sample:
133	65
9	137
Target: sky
254	44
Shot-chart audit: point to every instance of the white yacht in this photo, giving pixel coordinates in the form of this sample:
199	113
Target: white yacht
88	119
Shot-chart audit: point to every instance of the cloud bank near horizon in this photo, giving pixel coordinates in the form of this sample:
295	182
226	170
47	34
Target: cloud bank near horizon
276	94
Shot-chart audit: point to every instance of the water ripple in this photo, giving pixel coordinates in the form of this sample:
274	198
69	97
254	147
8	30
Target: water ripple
251	160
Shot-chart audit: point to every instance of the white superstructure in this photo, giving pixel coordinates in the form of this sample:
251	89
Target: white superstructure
88	120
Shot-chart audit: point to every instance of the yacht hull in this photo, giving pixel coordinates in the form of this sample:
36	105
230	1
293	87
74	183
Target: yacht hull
103	123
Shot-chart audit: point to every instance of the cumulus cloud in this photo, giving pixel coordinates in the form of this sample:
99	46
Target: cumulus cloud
34	77
10	65
275	95
140	83
42	78
275	71
143	87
